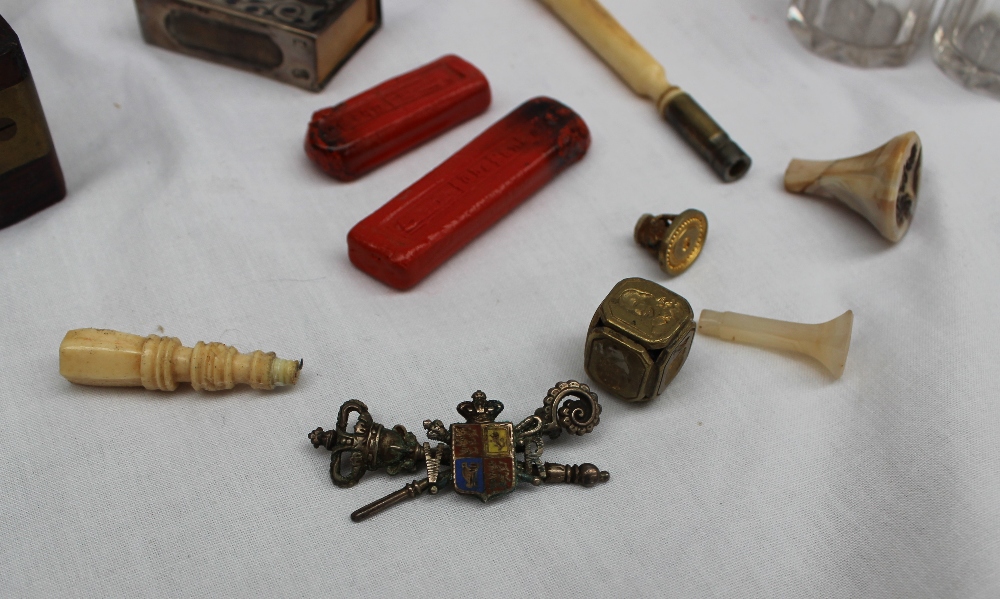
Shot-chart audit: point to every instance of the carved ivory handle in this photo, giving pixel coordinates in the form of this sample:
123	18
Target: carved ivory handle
113	359
828	342
595	26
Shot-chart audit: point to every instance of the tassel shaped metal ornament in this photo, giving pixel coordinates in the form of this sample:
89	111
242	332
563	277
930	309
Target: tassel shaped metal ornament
827	342
881	185
477	457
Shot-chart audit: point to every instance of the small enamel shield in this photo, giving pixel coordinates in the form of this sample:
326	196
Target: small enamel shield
483	458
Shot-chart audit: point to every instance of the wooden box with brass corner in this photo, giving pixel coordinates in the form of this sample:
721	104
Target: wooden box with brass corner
301	42
30	177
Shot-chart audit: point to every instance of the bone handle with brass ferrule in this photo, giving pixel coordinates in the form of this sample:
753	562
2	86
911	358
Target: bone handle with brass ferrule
599	29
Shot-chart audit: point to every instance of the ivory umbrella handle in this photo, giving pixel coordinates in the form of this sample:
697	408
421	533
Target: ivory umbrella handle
106	358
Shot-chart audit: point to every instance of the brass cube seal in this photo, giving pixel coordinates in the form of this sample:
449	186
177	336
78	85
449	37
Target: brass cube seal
638	339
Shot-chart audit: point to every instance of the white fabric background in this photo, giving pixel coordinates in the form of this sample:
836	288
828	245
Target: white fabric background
192	207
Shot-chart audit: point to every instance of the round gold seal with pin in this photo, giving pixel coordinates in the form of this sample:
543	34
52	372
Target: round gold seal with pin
675	239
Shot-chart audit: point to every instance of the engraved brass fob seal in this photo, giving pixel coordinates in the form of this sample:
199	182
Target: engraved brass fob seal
638	340
477	457
675	239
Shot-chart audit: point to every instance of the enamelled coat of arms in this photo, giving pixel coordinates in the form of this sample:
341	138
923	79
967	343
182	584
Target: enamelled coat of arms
477	457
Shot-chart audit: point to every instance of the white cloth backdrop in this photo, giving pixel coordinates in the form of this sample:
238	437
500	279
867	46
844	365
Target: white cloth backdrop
192	207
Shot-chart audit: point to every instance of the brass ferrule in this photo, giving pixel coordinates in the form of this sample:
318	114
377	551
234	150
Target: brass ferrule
727	159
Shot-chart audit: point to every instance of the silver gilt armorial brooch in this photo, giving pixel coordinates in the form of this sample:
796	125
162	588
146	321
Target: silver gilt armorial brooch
476	457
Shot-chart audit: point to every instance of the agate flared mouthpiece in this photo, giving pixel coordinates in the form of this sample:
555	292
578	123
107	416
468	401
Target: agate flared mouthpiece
880	185
827	342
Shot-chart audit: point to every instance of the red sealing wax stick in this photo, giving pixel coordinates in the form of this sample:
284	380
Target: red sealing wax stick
411	235
370	129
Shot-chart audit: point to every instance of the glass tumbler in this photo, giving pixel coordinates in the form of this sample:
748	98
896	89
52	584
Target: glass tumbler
864	33
967	44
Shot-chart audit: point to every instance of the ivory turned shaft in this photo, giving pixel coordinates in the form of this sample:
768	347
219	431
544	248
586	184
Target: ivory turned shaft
108	358
616	46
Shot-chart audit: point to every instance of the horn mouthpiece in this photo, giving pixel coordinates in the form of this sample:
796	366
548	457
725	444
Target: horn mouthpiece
880	185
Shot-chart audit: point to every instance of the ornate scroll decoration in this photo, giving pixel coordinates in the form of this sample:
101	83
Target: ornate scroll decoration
578	416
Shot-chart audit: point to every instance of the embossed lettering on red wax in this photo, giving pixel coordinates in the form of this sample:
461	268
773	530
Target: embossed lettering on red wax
415	232
370	129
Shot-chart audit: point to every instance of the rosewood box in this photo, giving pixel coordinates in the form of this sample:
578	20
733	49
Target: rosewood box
30	177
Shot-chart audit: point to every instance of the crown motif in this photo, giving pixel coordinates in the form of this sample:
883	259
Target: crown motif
479	409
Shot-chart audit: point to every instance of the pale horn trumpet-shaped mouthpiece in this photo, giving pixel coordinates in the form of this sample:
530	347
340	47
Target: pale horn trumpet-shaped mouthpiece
881	185
112	359
828	342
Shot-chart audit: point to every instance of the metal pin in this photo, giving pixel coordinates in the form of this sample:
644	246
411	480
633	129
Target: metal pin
410	491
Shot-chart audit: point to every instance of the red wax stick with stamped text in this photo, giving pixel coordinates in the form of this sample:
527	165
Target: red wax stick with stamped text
370	129
415	232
